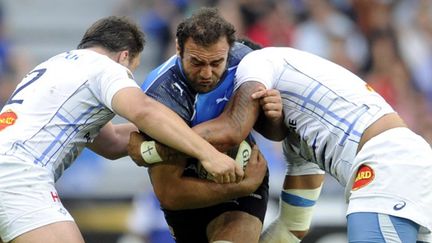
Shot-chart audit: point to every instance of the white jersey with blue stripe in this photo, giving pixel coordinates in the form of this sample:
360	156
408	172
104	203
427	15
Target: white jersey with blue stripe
326	107
59	107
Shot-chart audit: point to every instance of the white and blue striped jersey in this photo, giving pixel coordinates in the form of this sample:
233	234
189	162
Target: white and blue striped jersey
59	107
326	107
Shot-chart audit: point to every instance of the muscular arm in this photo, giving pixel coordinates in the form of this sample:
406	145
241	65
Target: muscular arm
225	131
178	192
237	120
157	121
162	124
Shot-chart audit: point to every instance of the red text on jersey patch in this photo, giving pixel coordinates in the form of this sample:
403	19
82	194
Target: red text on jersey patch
7	119
365	175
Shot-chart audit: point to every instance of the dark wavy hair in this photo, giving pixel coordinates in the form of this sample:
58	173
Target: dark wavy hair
115	34
205	27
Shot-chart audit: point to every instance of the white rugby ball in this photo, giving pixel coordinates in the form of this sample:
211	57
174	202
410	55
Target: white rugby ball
240	154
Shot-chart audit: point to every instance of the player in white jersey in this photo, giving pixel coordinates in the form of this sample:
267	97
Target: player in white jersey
336	124
65	104
333	122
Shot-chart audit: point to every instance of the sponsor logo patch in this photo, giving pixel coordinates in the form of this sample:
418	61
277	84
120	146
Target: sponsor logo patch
7	118
365	175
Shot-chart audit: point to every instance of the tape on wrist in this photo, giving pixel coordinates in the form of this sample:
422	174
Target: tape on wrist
149	152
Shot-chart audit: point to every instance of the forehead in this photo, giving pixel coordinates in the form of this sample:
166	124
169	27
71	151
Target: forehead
214	51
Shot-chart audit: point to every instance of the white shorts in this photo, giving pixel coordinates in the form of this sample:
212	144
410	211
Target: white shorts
27	202
394	177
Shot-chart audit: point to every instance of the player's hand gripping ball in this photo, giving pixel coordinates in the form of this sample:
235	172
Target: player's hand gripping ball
241	154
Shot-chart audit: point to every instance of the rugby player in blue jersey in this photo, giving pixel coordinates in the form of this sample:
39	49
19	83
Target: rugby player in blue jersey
197	83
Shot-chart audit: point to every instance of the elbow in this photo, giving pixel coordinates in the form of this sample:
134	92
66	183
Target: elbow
275	137
115	156
114	151
233	140
141	115
234	132
144	113
111	156
168	198
233	137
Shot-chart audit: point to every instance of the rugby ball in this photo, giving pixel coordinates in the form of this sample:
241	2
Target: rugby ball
241	154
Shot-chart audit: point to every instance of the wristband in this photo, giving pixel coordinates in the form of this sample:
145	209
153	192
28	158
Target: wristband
149	152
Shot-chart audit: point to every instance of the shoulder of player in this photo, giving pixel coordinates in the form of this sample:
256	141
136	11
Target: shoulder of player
97	60
236	54
166	68
170	78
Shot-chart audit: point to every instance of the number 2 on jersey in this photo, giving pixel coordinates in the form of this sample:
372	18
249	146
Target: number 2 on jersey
38	72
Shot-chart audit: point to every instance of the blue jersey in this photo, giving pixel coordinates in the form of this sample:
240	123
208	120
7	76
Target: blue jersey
168	85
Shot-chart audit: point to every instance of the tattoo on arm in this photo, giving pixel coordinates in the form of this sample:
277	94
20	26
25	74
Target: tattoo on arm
243	111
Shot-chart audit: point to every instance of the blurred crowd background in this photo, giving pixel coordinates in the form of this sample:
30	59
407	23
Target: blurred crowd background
386	42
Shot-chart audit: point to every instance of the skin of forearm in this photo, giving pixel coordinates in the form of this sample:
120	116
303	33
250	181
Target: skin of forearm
112	140
231	127
236	122
218	134
210	194
274	130
169	154
180	192
159	122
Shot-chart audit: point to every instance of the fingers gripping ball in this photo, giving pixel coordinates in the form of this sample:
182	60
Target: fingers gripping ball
241	154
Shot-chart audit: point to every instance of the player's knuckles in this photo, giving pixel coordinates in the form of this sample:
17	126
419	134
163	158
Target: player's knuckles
258	94
272	114
273	93
271	106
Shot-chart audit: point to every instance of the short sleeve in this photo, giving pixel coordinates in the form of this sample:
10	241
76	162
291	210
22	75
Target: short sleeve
255	67
112	80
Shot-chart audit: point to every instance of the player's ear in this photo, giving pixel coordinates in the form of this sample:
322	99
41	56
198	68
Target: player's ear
177	48
123	58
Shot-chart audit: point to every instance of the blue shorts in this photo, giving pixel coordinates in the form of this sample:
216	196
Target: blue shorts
380	228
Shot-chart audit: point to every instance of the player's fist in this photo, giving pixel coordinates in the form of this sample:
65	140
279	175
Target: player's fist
222	168
255	170
271	103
